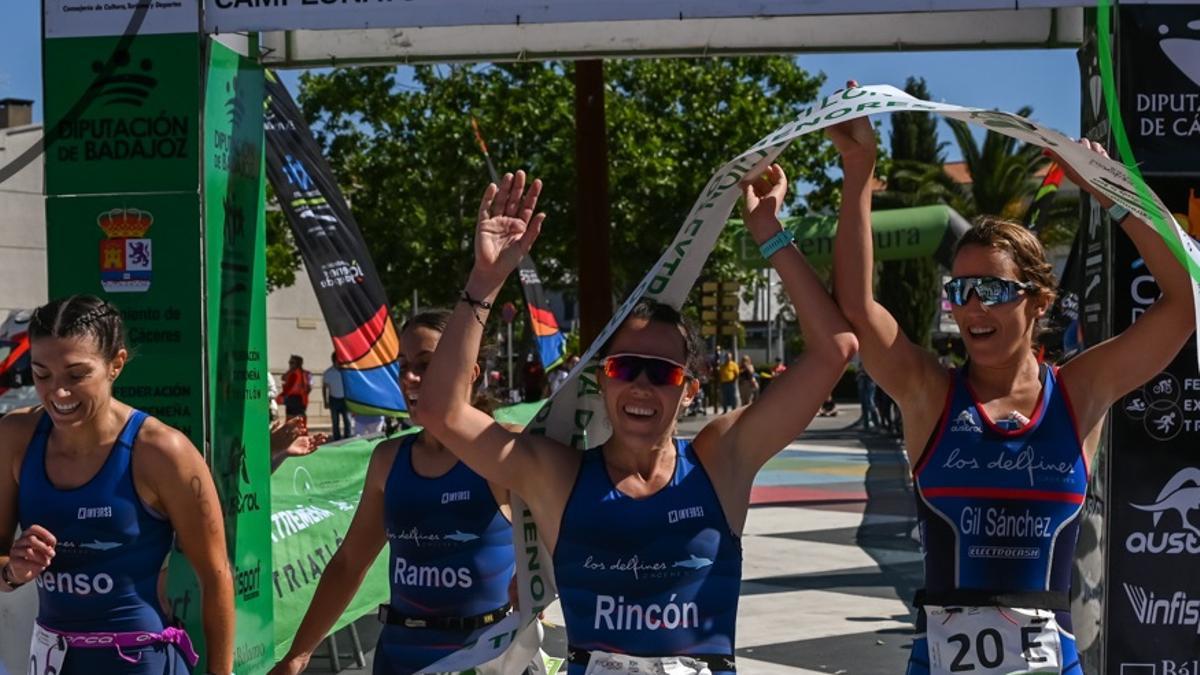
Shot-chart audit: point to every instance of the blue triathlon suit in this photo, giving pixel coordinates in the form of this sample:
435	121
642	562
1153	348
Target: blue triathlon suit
657	576
450	555
999	509
111	546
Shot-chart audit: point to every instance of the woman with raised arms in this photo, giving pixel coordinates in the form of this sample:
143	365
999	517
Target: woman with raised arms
450	555
101	491
644	530
1001	447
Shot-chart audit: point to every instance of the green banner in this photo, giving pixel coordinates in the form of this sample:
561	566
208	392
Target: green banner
134	252
899	234
313	500
122	114
236	295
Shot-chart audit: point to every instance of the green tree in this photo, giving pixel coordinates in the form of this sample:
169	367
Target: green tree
282	257
1002	171
406	159
909	288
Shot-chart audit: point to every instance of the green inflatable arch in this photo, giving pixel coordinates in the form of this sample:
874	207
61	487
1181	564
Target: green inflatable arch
900	234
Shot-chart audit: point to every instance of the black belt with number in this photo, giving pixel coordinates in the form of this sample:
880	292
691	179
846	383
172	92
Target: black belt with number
715	662
391	617
967	597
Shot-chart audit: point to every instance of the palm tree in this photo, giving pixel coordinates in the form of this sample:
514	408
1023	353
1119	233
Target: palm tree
1000	171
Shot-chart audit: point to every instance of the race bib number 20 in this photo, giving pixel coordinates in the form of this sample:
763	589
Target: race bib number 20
992	640
46	652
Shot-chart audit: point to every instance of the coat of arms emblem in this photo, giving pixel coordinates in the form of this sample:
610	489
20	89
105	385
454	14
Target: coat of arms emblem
125	256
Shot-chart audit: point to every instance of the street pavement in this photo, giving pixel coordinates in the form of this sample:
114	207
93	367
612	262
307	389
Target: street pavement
830	560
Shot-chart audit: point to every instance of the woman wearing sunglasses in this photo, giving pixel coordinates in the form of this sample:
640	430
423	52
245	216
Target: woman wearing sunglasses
644	529
450	555
1000	450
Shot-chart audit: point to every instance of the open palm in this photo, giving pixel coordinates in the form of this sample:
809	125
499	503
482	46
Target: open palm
507	226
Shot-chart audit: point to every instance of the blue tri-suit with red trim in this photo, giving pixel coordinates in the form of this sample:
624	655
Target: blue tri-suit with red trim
999	508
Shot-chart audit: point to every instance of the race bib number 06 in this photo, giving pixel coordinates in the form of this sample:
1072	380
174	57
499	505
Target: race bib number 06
46	652
992	640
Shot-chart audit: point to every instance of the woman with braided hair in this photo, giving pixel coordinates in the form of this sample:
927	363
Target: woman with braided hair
101	490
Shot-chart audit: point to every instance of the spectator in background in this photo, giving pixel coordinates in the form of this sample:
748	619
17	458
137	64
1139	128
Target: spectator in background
747	381
889	414
780	366
866	396
297	385
534	380
368	425
728	377
828	408
559	375
334	394
291	439
272	396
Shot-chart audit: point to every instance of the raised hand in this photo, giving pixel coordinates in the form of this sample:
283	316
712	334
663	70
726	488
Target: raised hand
507	226
854	139
1073	175
31	554
284	433
763	199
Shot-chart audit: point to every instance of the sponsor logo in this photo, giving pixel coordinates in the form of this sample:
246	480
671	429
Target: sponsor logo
129	84
1027	461
420	538
1180	496
1153	610
693	563
966	423
430	576
1163	667
339	273
286	523
248	581
460	496
125	256
75	584
676	515
97	545
297	174
633	565
1005	552
87	513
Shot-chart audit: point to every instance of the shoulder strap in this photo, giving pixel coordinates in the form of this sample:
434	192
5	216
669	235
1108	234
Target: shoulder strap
132	426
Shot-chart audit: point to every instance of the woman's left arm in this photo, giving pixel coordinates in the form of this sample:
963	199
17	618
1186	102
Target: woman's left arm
181	481
751	435
1101	375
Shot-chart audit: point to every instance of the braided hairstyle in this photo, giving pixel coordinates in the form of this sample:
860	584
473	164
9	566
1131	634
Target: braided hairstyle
78	316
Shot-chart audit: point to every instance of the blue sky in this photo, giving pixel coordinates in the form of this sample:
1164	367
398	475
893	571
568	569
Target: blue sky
1048	80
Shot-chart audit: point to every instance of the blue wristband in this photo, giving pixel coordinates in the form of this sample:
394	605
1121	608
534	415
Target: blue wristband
775	244
1117	213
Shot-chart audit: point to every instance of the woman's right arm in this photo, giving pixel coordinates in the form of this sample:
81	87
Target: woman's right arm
346	570
506	230
21	560
909	374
